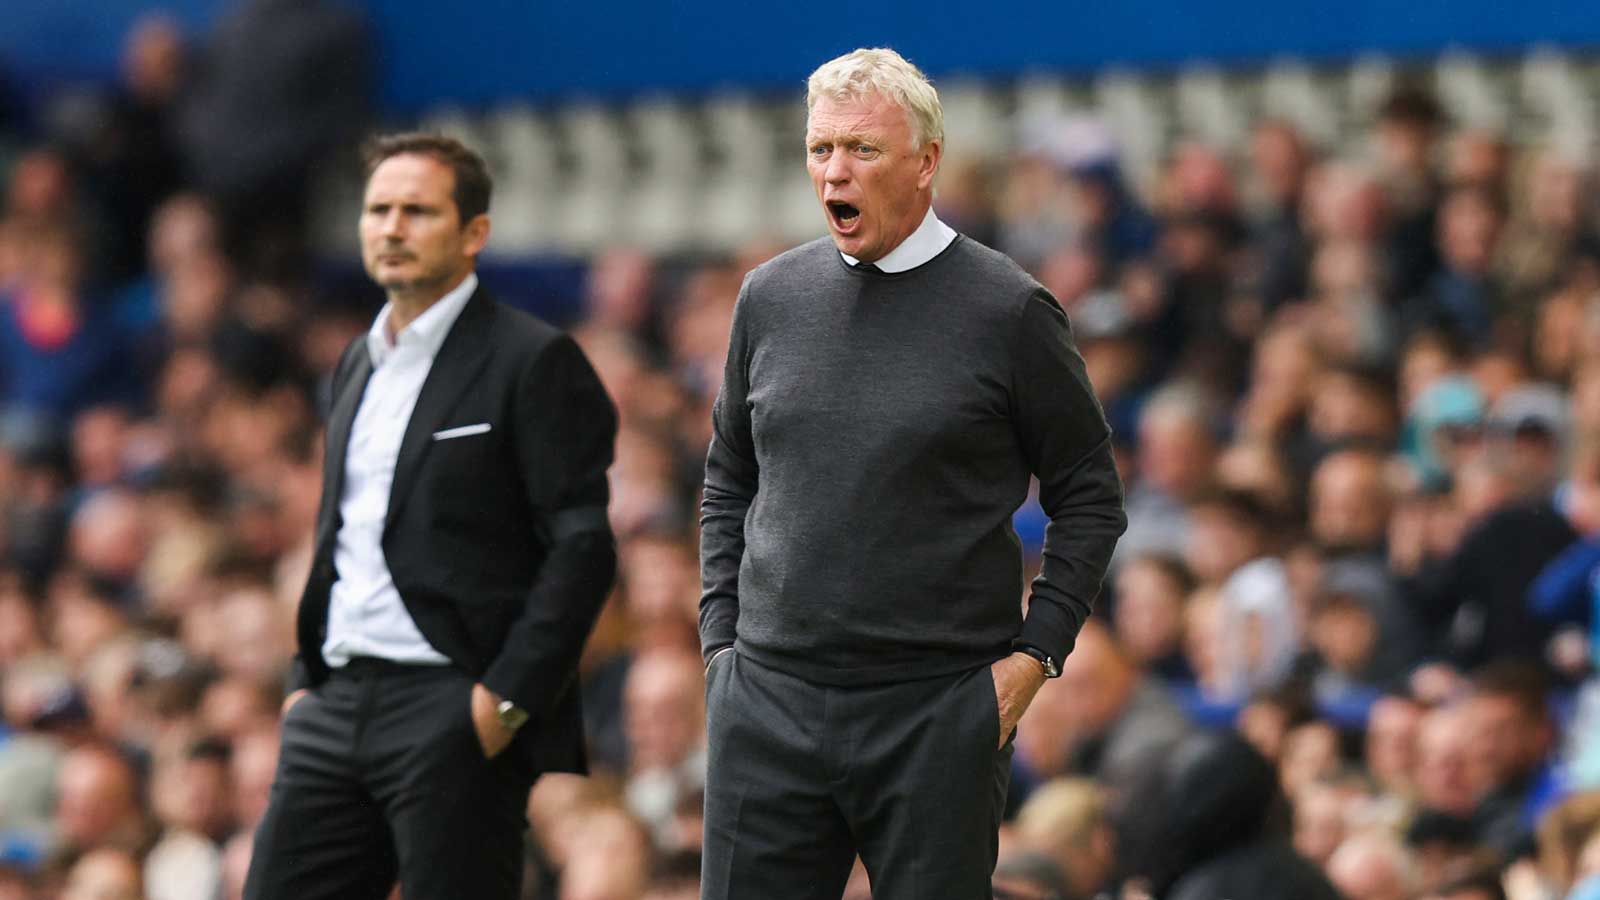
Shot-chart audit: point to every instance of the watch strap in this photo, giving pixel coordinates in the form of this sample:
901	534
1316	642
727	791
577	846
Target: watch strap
1052	669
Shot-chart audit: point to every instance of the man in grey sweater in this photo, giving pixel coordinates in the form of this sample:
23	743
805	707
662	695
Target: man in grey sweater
887	394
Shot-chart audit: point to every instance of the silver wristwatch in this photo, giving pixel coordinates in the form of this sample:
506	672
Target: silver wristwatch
511	716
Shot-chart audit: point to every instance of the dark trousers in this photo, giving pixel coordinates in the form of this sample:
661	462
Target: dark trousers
803	777
381	775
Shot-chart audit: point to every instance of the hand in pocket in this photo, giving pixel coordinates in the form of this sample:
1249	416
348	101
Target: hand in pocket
493	738
1016	679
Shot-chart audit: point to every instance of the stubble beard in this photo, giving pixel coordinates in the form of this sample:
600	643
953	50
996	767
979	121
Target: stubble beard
406	288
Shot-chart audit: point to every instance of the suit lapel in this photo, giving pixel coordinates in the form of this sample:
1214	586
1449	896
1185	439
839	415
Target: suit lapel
340	420
465	351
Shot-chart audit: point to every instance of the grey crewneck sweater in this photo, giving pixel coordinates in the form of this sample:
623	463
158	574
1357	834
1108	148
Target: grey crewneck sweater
872	438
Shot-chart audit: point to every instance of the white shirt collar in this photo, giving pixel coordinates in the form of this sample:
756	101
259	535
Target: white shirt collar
427	331
928	241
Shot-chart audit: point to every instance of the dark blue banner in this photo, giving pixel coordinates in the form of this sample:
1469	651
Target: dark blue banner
491	50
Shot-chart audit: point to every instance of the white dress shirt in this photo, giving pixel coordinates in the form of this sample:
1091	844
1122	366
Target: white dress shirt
928	241
365	614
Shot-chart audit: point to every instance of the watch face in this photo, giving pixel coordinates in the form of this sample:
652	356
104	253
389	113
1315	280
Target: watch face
510	716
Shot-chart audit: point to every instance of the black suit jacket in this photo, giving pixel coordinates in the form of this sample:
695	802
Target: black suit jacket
498	541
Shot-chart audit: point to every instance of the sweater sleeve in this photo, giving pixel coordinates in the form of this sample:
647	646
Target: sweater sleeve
730	488
1066	440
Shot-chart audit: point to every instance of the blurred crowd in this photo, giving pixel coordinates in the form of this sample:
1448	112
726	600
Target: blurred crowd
1356	399
1347	646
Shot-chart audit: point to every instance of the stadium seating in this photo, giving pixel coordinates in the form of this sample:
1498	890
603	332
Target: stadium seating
582	176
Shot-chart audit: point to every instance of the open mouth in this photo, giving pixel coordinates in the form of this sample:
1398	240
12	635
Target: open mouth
845	217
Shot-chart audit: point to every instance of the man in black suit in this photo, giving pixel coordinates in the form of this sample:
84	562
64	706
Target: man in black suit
462	554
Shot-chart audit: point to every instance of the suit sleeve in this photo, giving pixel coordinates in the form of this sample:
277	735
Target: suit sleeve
565	433
1066	440
730	488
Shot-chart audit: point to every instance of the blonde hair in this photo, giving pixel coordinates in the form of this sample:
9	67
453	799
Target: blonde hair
881	71
1064	811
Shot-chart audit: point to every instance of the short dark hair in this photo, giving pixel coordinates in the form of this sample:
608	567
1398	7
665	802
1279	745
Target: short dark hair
1518	680
1411	104
1171	568
1242	507
472	182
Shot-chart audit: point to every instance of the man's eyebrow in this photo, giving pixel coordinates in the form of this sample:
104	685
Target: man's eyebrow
842	137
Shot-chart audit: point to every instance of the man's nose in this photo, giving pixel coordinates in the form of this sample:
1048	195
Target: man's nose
838	169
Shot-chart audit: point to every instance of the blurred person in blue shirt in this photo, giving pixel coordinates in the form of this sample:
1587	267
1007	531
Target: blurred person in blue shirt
1509	754
1463	298
59	353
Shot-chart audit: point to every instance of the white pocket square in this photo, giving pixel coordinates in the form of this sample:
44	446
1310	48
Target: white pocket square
463	431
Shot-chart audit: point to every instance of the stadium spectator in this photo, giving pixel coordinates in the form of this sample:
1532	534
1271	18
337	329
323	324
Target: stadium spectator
609	858
1343	636
1479	158
279	85
1148	614
61	351
98	802
1390	748
1476	886
1260	629
1407	130
1441	846
1462	299
1065	821
1223	831
664	716
1372	867
1511	740
253	761
106	874
1032	876
1176	450
120	140
1476	593
619	298
1280	161
1444	774
1227	529
1547	245
1324	811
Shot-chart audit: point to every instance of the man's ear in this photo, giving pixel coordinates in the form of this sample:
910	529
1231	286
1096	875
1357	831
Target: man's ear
928	163
475	234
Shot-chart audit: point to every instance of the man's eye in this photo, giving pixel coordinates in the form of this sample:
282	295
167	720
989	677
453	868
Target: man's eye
819	150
